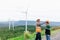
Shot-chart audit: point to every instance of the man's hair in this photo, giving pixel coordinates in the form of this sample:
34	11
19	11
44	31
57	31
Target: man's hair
38	20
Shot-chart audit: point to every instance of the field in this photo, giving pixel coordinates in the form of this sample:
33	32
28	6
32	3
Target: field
18	32
5	33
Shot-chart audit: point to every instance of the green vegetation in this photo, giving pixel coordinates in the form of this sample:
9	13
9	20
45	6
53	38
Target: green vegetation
33	35
5	33
18	33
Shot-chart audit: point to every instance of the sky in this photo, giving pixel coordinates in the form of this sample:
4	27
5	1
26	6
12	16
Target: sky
37	9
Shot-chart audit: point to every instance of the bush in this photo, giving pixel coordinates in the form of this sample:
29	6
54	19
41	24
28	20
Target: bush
26	35
55	28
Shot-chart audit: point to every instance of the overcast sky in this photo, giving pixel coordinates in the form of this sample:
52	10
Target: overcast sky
43	9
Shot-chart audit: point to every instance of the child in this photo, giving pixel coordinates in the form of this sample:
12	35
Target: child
47	30
38	30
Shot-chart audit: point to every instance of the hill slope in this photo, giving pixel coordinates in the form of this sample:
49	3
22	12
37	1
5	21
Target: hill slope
22	22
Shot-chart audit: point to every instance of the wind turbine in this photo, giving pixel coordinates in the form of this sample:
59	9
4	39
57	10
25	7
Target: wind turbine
13	24
9	23
26	19
25	12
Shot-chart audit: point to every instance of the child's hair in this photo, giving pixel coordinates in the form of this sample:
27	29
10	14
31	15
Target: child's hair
47	22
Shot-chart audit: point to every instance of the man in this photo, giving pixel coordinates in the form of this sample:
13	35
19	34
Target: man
38	30
47	30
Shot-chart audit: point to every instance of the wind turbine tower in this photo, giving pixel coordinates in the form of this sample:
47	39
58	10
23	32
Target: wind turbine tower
13	24
9	24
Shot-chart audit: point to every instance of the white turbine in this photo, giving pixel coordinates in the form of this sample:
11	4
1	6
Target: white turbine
26	12
26	18
9	23
13	24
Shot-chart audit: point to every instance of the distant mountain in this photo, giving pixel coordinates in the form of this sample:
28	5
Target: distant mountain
22	22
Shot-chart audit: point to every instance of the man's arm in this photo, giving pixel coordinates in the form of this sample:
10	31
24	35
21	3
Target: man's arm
42	23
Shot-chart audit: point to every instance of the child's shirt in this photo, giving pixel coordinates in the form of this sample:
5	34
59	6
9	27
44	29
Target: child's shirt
47	30
48	27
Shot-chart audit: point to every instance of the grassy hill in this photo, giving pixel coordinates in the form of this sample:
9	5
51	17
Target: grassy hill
5	33
53	32
17	33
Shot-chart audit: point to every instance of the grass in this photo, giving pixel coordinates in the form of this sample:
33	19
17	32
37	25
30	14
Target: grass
5	33
18	33
33	35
